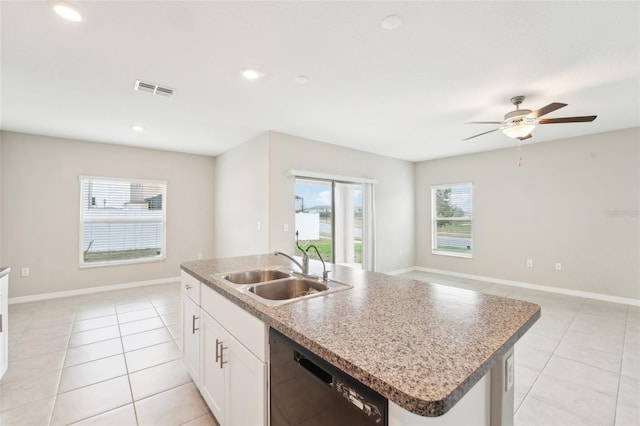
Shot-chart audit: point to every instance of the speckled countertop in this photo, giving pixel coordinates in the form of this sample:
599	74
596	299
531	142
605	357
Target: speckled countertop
423	346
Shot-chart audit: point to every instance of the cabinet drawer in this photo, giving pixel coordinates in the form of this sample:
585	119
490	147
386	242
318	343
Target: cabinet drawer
190	286
249	330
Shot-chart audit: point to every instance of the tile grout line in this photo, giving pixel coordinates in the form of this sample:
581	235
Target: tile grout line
526	395
579	362
64	359
624	341
126	366
105	380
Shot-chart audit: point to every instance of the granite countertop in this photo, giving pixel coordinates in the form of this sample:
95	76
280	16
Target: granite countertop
421	345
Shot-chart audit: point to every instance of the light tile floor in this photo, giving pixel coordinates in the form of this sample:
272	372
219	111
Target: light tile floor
578	365
113	358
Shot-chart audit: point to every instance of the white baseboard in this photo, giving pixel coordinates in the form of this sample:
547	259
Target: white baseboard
550	289
402	271
89	290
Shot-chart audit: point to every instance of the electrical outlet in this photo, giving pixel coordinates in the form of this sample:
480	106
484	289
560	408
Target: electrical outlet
508	373
558	266
529	263
285	228
259	225
25	272
199	256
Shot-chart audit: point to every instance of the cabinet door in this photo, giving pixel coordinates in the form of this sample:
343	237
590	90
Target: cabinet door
191	337
212	375
245	385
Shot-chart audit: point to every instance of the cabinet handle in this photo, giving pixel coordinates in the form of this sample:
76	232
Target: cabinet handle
0	323
219	354
187	286
193	324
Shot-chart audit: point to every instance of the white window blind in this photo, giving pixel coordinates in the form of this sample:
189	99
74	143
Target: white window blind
121	221
451	213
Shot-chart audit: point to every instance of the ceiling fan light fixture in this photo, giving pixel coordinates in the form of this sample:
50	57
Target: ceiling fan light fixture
518	130
67	11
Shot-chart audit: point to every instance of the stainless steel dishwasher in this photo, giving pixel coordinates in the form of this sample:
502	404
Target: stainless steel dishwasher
306	390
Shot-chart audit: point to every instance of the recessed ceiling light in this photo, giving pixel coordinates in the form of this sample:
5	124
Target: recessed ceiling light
137	128
391	22
250	73
68	11
301	79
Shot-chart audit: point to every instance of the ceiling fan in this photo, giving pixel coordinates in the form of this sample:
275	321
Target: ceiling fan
519	123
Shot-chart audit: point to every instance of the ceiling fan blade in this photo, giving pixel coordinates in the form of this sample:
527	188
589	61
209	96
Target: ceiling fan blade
480	134
583	119
483	122
546	110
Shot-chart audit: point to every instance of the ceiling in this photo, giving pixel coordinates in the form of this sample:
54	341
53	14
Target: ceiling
404	93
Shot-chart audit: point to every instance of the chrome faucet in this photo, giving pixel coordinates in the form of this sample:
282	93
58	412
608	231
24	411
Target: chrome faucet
305	261
305	257
325	273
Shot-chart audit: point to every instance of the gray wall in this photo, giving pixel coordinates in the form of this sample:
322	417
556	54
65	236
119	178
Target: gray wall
253	185
395	229
573	201
40	209
242	199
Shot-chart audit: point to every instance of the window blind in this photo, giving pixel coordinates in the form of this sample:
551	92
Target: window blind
121	220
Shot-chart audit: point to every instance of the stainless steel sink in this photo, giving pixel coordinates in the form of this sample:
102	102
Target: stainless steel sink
288	289
275	286
255	276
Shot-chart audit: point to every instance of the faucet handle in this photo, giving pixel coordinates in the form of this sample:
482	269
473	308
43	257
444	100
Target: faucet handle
325	275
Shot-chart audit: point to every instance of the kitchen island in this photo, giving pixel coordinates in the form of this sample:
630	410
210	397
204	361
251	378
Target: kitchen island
423	346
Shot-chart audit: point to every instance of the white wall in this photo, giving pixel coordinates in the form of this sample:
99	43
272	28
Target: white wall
573	201
395	229
242	199
40	209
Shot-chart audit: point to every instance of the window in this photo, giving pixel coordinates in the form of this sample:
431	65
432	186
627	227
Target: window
121	221
451	211
337	216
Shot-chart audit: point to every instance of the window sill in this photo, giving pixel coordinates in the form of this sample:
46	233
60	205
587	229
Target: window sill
122	262
452	254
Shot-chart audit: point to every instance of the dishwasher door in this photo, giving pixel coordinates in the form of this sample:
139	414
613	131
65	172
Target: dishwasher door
306	390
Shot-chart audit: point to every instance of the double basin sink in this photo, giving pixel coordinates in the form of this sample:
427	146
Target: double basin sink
277	286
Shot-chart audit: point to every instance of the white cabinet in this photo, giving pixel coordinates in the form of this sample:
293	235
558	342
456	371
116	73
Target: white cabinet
190	287
212	382
233	380
191	337
191	325
246	385
4	321
224	348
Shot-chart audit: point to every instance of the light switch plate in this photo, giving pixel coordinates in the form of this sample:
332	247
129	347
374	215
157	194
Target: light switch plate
508	373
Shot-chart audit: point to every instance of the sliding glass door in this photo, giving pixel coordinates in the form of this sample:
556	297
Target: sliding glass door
329	214
314	216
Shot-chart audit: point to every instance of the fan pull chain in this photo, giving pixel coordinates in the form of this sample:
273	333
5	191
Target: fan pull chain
519	163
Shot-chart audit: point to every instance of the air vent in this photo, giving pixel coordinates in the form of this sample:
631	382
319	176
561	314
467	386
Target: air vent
163	91
141	86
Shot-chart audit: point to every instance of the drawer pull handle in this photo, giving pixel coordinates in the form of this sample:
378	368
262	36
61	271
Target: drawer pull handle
187	286
193	324
219	352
